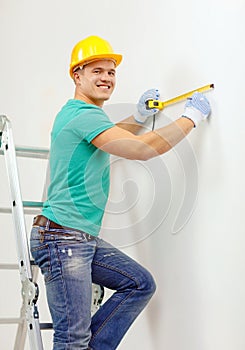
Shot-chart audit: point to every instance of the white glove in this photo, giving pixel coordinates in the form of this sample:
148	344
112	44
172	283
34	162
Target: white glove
197	108
142	113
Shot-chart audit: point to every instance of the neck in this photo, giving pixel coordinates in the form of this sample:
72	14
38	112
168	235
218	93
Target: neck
86	99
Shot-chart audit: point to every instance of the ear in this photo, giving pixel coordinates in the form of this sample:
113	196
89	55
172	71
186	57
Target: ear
76	77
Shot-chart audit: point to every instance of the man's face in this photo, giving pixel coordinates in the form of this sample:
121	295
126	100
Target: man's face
96	81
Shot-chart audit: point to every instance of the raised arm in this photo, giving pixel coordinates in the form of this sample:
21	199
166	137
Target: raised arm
130	125
135	122
124	144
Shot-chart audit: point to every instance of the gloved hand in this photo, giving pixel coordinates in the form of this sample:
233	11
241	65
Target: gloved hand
197	108
142	113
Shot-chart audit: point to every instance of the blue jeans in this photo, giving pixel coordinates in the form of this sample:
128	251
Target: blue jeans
70	263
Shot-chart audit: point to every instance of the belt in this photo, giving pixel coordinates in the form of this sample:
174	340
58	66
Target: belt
41	220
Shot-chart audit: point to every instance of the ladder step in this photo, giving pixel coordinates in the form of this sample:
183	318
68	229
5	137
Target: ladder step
11	320
30	208
5	266
44	326
6	210
31	204
9	267
28	205
27	210
30	152
24	151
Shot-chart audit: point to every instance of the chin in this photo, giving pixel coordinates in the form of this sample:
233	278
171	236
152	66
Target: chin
106	96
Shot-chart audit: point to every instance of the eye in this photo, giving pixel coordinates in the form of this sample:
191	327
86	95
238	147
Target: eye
112	73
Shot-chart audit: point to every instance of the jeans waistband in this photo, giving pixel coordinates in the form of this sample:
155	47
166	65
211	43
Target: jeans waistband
47	224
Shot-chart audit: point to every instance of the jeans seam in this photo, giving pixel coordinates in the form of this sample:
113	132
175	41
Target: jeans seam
110	316
121	303
65	295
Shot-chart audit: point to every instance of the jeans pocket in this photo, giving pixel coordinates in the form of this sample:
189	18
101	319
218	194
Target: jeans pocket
41	256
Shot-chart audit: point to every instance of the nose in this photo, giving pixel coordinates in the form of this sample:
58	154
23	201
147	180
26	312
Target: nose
105	76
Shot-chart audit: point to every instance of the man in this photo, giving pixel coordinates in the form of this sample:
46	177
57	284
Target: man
64	239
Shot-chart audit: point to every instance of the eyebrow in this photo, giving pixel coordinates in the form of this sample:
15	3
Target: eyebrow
102	68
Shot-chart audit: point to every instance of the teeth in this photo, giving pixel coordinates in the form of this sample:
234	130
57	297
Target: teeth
104	87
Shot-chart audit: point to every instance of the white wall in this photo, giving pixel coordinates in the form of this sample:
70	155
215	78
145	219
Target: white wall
183	214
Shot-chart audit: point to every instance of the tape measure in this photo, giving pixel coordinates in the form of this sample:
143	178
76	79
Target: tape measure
160	104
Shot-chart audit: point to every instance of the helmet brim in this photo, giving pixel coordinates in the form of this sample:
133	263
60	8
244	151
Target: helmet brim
112	56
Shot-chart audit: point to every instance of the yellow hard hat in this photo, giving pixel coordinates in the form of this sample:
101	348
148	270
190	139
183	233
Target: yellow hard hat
90	49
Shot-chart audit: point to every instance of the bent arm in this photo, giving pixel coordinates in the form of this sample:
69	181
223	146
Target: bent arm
130	125
123	143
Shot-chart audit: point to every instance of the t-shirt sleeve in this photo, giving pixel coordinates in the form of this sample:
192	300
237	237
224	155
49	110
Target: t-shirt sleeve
90	124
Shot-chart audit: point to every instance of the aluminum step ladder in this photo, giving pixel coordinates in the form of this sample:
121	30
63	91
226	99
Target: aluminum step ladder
28	322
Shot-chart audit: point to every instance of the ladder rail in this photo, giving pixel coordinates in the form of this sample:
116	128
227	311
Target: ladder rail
16	199
29	289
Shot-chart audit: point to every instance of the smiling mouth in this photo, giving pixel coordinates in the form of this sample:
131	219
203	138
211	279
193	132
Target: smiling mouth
104	87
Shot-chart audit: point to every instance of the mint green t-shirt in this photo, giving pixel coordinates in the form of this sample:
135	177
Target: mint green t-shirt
79	172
